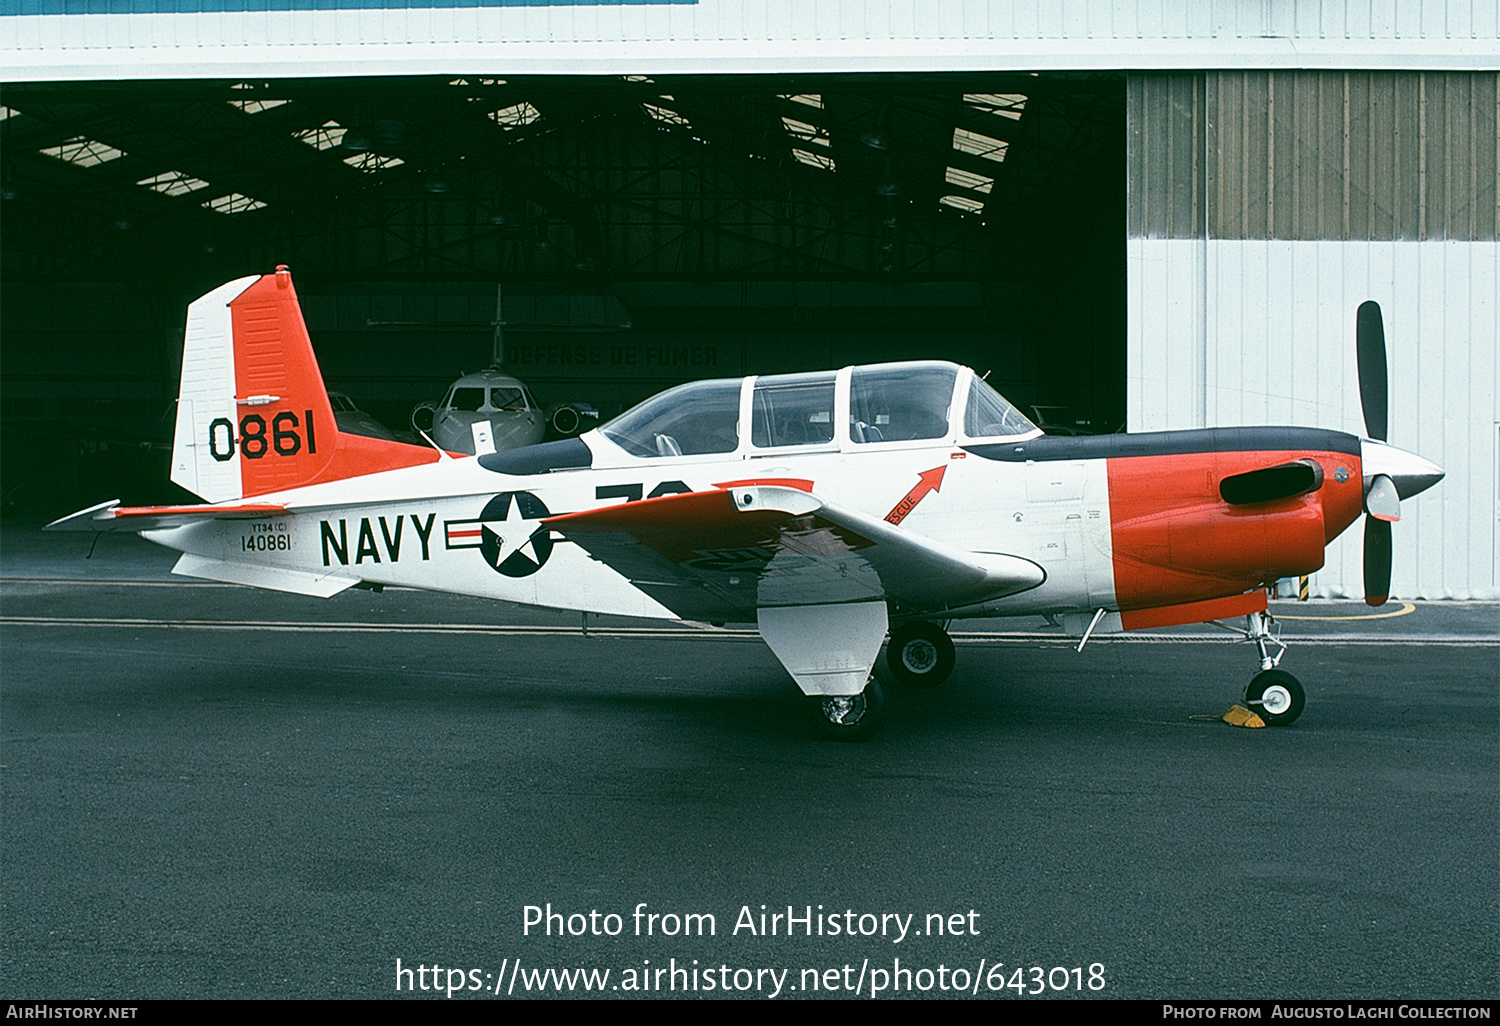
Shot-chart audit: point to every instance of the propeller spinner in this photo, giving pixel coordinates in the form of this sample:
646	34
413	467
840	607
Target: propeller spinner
1390	474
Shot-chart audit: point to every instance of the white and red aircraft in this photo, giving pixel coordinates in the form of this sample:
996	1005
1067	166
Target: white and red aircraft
827	508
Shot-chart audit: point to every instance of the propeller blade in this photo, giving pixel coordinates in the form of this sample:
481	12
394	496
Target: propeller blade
1382	500
1369	341
1377	561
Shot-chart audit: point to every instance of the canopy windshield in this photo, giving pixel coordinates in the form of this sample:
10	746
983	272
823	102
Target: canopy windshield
989	415
695	419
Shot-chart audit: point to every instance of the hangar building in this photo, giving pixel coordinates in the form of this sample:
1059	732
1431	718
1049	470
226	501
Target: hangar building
1156	214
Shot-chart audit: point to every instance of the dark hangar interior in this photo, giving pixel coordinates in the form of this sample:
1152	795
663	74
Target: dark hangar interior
636	232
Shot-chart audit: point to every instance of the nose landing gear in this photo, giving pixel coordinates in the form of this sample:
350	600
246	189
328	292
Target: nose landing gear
1276	697
1273	695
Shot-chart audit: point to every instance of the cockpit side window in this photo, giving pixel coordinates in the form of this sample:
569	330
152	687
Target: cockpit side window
695	419
900	403
507	398
988	415
792	409
467	399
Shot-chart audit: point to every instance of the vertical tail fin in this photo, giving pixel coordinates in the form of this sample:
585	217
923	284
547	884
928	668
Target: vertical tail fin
253	415
205	458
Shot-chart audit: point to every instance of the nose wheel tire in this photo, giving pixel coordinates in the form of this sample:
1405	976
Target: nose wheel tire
1276	697
849	717
920	654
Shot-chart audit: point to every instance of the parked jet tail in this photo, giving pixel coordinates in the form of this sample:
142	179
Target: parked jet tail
253	415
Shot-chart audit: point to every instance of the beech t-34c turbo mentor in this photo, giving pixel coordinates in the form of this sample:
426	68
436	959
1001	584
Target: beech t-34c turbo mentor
827	508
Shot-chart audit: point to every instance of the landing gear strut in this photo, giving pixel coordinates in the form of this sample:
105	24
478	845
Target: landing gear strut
849	717
1273	695
920	654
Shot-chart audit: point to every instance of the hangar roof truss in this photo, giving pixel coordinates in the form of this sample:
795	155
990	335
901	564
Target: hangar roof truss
835	176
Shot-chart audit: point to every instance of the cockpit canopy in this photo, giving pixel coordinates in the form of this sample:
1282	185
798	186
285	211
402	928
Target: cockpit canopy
893	403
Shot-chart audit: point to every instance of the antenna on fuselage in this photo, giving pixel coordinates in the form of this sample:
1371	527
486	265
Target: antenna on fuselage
497	344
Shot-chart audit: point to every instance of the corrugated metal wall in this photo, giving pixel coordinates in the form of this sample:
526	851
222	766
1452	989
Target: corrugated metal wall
1315	155
1246	315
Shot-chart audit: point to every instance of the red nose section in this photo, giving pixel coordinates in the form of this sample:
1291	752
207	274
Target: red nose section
1176	539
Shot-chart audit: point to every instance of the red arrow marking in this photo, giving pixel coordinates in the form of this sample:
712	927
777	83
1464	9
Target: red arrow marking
927	481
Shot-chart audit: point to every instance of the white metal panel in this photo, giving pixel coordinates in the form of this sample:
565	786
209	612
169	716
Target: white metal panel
1167	348
1278	347
745	36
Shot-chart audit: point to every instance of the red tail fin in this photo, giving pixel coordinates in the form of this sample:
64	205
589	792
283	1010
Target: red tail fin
261	408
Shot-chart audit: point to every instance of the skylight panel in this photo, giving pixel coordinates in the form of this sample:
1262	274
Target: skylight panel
964	203
84	152
482	83
234	203
984	146
372	162
969	180
1006	105
256	106
326	137
173	183
665	114
806	99
6	112
485	82
819	160
635	78
805	132
517	115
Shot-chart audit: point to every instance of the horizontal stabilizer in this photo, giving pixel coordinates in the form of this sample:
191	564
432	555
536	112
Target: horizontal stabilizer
95	518
111	516
256	576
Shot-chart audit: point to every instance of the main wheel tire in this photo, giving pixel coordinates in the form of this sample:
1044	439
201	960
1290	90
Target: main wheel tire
849	717
920	654
1276	697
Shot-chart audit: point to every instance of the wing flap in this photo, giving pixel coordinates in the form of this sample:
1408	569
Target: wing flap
725	553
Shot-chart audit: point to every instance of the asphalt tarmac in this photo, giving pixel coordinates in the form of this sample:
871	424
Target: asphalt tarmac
218	792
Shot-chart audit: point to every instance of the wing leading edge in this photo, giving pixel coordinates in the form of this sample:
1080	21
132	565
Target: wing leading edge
725	554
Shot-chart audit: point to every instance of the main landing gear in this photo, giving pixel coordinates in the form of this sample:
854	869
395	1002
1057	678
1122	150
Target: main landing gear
920	654
1273	695
849	717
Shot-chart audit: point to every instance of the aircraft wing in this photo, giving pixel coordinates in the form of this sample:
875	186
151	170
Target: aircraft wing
724	554
111	516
